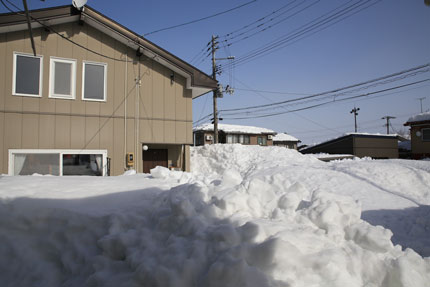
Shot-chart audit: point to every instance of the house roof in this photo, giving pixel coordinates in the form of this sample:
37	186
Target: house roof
234	129
283	137
364	135
198	81
418	119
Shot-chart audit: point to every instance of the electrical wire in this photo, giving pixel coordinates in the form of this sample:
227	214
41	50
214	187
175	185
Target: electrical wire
330	102
336	90
59	34
200	19
318	24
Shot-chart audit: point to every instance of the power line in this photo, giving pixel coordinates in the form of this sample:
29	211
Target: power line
269	27
335	90
330	102
312	27
200	19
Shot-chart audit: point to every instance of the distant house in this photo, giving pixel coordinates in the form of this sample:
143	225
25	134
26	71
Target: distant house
248	135
376	146
420	135
285	140
96	99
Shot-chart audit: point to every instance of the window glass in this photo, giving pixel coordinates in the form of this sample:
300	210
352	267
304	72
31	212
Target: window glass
62	78
229	139
27	75
246	139
262	140
28	164
426	134
94	81
83	164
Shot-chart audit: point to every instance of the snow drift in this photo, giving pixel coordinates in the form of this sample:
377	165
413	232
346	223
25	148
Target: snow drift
246	216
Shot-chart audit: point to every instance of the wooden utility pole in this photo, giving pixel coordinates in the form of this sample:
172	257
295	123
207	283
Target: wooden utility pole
388	122
355	110
421	103
214	47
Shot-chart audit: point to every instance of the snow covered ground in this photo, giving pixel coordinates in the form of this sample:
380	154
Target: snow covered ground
245	216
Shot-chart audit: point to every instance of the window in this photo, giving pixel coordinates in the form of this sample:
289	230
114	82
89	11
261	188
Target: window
27	75
62	78
426	134
243	139
94	81
262	140
58	162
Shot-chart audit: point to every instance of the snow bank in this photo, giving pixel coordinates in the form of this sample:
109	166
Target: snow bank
242	218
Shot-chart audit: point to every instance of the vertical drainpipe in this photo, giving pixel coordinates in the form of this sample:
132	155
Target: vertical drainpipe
137	117
125	111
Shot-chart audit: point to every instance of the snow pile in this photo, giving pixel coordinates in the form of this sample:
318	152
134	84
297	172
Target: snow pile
244	217
227	128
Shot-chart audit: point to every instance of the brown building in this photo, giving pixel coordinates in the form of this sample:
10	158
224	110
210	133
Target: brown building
361	145
247	135
420	135
285	140
96	99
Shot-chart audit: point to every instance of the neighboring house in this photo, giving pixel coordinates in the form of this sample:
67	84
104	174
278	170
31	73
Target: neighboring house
285	140
248	135
96	99
420	135
376	146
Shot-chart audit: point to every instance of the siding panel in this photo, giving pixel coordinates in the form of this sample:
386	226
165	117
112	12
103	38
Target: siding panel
47	132
62	132
30	131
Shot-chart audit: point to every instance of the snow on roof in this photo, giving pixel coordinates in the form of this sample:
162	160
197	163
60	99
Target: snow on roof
419	118
234	129
283	137
348	134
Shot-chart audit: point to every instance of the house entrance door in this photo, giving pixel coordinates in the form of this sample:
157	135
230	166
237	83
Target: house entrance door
153	158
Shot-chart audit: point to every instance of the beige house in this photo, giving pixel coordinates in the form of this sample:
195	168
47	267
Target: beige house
96	99
231	134
285	140
420	135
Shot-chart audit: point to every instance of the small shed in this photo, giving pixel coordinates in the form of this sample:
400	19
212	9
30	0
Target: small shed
285	140
420	135
377	146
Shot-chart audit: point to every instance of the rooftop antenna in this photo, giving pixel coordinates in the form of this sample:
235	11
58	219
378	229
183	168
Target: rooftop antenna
79	3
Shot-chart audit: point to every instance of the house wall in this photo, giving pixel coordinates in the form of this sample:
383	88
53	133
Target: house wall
383	147
254	141
286	144
161	113
418	146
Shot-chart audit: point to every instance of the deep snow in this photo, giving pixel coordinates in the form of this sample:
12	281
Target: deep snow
245	216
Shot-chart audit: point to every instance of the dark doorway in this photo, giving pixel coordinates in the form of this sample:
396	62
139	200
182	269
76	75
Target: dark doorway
153	158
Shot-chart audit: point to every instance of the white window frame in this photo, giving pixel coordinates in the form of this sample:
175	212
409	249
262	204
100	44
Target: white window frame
52	79
15	55
84	63
60	152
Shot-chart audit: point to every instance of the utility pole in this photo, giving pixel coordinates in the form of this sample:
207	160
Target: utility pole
218	93
355	110
214	47
388	122
421	103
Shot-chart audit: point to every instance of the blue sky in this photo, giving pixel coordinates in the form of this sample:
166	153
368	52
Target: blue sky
387	37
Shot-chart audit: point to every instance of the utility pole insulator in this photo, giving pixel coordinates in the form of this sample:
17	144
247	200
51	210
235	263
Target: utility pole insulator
354	111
